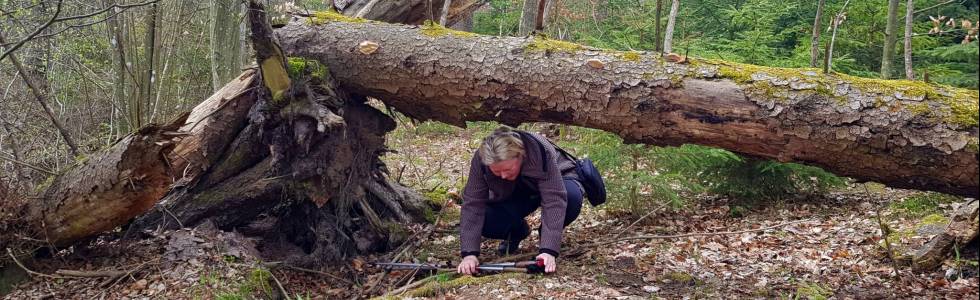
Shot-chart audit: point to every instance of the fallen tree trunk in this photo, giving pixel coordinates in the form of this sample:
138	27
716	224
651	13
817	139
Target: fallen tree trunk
901	133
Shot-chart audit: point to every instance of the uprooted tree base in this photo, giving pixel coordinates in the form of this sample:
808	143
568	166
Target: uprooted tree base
303	174
278	154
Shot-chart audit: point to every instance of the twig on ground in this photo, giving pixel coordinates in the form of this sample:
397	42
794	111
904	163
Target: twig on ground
884	233
113	280
620	234
285	294
412	285
888	244
29	271
91	274
282	265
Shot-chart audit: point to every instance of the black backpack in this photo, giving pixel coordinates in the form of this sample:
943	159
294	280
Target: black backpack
588	175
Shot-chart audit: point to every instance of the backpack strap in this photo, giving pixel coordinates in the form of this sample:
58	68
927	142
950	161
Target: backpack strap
544	153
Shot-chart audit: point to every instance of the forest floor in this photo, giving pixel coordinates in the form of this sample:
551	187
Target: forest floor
815	248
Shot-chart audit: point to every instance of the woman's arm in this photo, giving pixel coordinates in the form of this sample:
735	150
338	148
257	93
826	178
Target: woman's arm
475	197
553	203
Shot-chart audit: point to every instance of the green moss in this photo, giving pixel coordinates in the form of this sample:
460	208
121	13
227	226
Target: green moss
544	44
959	106
956	106
742	73
918	108
298	66
933	219
630	56
680	277
921	204
973	145
328	16
812	291
875	187
433	29
442	283
258	279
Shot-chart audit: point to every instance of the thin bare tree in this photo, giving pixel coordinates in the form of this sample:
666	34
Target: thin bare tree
888	49
909	15
815	39
671	22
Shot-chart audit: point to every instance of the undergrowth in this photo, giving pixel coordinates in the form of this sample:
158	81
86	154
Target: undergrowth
641	177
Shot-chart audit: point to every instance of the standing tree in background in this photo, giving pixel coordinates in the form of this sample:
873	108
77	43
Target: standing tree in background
529	13
909	15
815	40
657	38
888	52
671	20
225	41
444	12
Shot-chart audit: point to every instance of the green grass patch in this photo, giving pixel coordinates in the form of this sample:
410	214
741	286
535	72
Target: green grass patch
921	204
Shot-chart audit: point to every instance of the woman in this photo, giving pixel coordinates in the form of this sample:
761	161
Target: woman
511	175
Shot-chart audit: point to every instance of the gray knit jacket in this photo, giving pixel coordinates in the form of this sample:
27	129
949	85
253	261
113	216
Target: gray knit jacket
483	187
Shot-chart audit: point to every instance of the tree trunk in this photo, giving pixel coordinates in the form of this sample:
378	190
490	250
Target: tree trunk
225	48
901	134
529	13
658	38
888	52
671	22
909	15
444	12
547	13
815	39
107	190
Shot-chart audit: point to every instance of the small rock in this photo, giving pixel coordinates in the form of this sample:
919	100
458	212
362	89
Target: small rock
651	289
952	274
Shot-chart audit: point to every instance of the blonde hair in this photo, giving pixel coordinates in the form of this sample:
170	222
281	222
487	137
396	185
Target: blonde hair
503	144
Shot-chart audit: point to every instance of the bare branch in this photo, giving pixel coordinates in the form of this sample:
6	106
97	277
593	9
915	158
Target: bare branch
20	43
56	19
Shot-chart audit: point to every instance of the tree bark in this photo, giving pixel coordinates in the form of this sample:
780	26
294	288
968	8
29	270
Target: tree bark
909	16
901	134
815	39
671	22
888	52
107	190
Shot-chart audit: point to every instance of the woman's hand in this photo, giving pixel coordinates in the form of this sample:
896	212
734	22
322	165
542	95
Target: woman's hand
468	265
549	262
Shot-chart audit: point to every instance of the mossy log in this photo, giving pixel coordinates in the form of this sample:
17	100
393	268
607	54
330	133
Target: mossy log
901	133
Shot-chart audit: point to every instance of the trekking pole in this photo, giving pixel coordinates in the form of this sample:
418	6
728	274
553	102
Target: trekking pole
529	267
